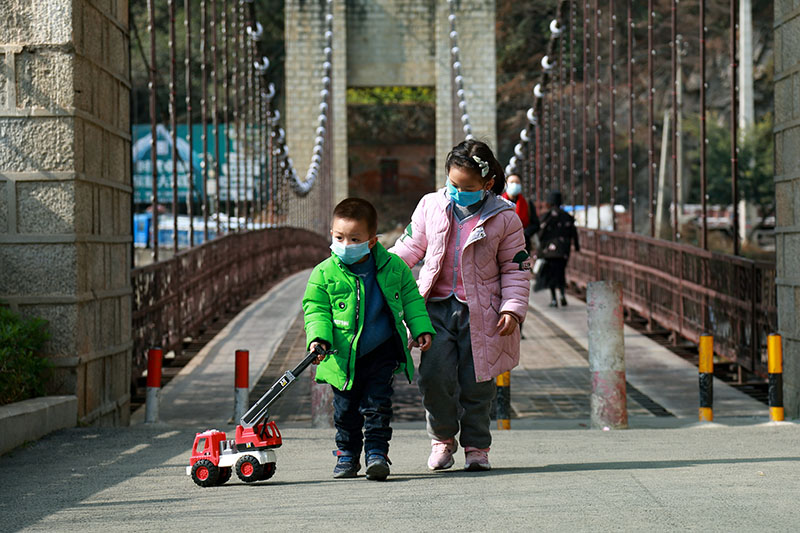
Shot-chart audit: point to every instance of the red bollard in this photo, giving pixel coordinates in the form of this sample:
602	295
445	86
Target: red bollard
241	384
154	360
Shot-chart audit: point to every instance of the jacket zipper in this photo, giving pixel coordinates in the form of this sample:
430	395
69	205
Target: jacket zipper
358	308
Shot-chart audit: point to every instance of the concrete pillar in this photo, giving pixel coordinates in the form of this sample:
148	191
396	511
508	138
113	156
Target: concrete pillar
609	407
65	191
787	193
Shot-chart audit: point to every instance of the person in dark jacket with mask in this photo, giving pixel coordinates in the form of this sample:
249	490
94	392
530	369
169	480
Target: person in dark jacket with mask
556	235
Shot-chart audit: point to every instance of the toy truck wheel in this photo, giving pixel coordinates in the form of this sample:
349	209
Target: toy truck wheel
205	473
224	475
249	469
269	471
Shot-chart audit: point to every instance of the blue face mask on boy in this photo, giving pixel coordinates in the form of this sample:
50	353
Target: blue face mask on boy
464	198
350	253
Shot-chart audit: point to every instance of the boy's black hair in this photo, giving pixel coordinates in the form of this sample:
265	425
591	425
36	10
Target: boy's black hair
358	209
462	156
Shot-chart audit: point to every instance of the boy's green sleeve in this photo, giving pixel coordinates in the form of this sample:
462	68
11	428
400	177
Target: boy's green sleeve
414	311
317	310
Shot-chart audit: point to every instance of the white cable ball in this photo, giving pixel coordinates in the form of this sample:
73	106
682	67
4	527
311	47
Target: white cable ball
457	66
320	131
271	93
537	90
323	107
329	18
455	50
465	118
317	158
469	137
523	135
453	34
276	115
513	161
518	151
319	140
324	93
509	170
289	161
322	120
460	94
467	129
531	114
451	17
328	51
326	66
328	36
318	148
314	165
546	64
554	28
462	105
459	79
326	82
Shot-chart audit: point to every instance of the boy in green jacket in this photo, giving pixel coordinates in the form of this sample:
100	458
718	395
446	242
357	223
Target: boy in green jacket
355	303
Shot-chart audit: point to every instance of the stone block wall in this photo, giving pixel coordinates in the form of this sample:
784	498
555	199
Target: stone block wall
787	192
65	191
388	43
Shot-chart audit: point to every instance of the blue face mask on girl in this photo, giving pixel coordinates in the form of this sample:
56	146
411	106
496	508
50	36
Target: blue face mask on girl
350	253
464	198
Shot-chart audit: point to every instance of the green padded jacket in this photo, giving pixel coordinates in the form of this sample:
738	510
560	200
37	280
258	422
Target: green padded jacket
333	309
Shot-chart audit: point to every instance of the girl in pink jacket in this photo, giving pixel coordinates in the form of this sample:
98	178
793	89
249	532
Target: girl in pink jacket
476	293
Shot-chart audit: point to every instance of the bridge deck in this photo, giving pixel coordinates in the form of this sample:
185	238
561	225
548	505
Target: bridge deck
551	382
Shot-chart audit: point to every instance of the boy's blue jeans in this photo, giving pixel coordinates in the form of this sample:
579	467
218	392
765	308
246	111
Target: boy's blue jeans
362	414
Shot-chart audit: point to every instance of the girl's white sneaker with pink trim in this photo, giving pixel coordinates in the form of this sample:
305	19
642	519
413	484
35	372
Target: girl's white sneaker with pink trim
477	459
442	452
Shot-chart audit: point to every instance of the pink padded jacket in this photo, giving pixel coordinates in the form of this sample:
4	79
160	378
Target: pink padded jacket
494	280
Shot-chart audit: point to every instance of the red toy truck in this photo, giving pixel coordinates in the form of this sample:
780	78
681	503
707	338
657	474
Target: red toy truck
251	453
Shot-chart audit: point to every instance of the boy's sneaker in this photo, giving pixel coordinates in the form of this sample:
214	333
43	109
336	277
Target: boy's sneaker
377	466
346	465
477	459
442	454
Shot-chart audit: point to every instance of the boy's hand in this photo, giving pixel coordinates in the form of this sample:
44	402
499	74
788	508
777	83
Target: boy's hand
423	342
320	357
506	324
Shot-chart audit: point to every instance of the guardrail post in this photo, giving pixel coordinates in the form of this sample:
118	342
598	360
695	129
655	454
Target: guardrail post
321	402
153	397
705	370
609	407
775	369
241	384
504	401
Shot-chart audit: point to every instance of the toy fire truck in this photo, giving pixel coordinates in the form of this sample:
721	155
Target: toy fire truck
251	454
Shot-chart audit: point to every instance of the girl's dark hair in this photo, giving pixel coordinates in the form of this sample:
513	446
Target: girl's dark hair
462	156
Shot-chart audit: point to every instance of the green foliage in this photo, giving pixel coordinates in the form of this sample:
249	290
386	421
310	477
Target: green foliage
23	373
756	184
391	95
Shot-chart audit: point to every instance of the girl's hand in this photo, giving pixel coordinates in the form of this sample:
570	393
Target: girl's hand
423	342
319	358
506	324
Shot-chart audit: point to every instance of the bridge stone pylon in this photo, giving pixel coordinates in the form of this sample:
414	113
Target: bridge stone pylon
787	193
65	191
387	43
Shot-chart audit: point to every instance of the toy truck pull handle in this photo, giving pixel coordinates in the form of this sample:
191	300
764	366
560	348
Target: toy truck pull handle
260	410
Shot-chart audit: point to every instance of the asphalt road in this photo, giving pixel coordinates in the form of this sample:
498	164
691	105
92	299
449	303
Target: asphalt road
547	476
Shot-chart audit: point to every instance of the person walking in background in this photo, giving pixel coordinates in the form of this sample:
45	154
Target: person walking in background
476	292
525	209
556	236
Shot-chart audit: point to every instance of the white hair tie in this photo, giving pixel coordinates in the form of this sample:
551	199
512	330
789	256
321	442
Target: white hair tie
483	164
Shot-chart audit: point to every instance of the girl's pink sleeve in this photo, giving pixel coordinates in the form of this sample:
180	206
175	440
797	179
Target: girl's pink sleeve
413	242
514	282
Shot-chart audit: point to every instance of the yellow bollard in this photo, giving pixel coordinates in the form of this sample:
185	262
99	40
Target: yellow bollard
504	401
775	369
705	368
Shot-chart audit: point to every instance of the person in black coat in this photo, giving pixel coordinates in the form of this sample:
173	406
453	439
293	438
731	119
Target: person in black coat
556	235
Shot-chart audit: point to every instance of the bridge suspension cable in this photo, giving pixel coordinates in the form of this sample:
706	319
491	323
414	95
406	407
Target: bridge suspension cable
459	93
